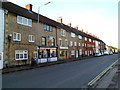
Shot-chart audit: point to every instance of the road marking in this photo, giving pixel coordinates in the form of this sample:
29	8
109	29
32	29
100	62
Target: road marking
92	82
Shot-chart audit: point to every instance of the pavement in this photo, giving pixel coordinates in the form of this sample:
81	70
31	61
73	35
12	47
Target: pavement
111	80
68	75
29	67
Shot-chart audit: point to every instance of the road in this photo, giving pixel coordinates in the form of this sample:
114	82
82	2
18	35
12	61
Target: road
68	75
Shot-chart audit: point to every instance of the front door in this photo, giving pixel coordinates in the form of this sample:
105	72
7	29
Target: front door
76	54
1	60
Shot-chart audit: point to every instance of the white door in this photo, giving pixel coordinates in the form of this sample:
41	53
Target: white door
1	60
76	54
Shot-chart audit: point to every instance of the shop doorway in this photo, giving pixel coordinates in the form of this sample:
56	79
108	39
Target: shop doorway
48	52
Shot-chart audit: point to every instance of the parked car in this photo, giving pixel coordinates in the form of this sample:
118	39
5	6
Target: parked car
102	53
97	54
106	53
111	53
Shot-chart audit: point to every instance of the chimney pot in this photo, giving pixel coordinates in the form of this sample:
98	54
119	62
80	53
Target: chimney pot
59	20
29	7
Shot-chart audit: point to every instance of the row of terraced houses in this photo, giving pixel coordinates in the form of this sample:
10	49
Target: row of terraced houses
23	37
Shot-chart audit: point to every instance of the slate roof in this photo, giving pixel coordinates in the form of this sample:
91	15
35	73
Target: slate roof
18	10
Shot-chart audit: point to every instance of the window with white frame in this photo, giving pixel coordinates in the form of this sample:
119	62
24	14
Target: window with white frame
19	19
24	21
21	55
63	32
75	43
72	34
80	51
35	54
79	44
85	52
31	38
71	43
16	36
89	40
51	28
79	36
72	52
83	44
48	27
90	52
85	38
29	22
60	41
66	42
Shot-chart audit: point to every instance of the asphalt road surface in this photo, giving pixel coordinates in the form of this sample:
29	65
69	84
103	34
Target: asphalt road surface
68	75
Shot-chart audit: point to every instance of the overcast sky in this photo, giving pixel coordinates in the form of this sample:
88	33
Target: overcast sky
99	17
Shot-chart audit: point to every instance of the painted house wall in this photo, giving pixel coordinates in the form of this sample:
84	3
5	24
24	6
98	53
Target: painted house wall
1	37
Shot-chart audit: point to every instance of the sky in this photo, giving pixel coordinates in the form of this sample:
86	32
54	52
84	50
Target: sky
99	17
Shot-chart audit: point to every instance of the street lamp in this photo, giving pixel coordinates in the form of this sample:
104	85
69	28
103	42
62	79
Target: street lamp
39	9
38	23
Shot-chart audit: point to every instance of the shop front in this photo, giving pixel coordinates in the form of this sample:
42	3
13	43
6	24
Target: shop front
63	53
46	54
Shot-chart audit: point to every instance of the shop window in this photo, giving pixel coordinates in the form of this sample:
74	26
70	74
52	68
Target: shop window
43	54
62	54
53	53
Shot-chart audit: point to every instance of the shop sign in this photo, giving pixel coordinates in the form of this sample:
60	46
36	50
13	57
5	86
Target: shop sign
63	47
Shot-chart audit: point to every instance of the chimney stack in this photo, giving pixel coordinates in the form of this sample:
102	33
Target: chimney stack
29	7
69	24
59	20
76	27
82	30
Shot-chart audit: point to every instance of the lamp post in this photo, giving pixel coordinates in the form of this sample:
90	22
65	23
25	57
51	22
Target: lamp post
38	22
39	9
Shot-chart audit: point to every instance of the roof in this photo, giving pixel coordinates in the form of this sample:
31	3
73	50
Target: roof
18	10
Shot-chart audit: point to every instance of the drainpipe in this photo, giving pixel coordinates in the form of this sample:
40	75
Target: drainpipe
56	44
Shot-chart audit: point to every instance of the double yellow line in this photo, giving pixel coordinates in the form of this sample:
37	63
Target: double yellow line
92	82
